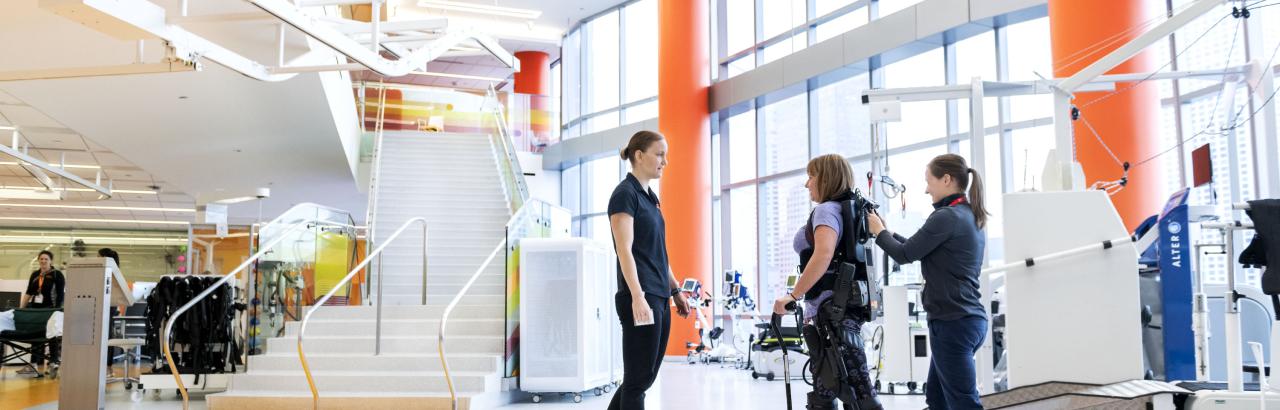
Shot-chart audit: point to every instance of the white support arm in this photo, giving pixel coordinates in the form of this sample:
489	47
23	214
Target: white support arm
362	54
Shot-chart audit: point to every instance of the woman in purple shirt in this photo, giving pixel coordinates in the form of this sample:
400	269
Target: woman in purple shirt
830	182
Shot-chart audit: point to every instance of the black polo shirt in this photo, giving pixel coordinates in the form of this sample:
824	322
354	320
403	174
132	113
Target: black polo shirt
649	244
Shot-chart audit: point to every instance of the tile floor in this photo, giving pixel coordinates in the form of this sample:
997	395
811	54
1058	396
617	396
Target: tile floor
681	386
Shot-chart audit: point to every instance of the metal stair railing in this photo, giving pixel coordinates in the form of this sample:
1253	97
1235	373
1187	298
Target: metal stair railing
173	318
377	341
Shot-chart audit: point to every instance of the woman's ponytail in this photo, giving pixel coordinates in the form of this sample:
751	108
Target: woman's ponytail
976	200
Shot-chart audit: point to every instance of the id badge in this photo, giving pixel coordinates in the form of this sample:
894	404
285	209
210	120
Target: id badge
38	299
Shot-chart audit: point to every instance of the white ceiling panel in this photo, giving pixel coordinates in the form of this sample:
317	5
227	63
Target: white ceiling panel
27	116
53	140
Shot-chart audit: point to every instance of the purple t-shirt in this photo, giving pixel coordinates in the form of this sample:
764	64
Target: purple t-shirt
825	214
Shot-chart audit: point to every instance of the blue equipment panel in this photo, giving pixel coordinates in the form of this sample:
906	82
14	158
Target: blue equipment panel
1176	289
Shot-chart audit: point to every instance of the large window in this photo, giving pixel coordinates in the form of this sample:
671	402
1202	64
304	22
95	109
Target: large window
785	208
842	122
742	146
640	48
609	70
842	23
601	37
784	125
571	64
921	121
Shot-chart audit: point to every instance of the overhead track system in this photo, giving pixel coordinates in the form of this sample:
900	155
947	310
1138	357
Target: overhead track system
41	171
411	43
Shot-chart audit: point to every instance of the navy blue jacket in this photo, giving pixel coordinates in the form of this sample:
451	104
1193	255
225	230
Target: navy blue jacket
950	247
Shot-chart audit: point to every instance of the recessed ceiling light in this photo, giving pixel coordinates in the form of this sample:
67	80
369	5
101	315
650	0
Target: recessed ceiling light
114	221
114	191
105	208
182	97
67	166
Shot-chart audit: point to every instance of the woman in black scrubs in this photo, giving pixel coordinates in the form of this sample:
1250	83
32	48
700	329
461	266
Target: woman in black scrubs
645	280
950	247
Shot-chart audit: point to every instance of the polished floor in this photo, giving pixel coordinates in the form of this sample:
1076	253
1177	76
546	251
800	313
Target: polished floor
709	387
681	386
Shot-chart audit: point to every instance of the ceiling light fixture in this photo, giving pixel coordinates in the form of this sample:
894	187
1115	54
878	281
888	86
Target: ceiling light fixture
12	163
114	191
104	208
32	194
90	220
97	240
481	9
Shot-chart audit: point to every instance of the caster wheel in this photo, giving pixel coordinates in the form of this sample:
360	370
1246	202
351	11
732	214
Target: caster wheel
537	398
577	398
755	376
924	388
599	392
136	396
769	377
911	386
608	388
128	385
891	388
877	386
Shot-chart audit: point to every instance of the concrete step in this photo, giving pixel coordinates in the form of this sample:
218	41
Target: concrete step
395	284
423	362
443	194
439	145
432	206
399	328
429	174
406	211
339	401
444	244
398	156
477	294
410	312
469	164
494	277
363	344
413	296
364	382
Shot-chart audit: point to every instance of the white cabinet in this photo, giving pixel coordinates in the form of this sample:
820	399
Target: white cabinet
570	338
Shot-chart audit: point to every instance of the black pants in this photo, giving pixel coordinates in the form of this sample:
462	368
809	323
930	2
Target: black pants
643	348
54	347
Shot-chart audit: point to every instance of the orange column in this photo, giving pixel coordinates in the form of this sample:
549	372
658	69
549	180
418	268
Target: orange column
684	118
534	76
1126	121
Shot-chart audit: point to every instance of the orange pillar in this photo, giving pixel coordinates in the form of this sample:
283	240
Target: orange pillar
534	76
1127	121
684	118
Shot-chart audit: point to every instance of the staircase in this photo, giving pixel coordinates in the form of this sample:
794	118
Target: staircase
452	180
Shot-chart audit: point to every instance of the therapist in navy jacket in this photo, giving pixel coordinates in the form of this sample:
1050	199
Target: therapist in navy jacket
646	284
950	247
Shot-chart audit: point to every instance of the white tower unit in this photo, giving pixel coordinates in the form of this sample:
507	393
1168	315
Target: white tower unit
567	342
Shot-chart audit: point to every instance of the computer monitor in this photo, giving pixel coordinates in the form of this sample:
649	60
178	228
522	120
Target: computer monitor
10	300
